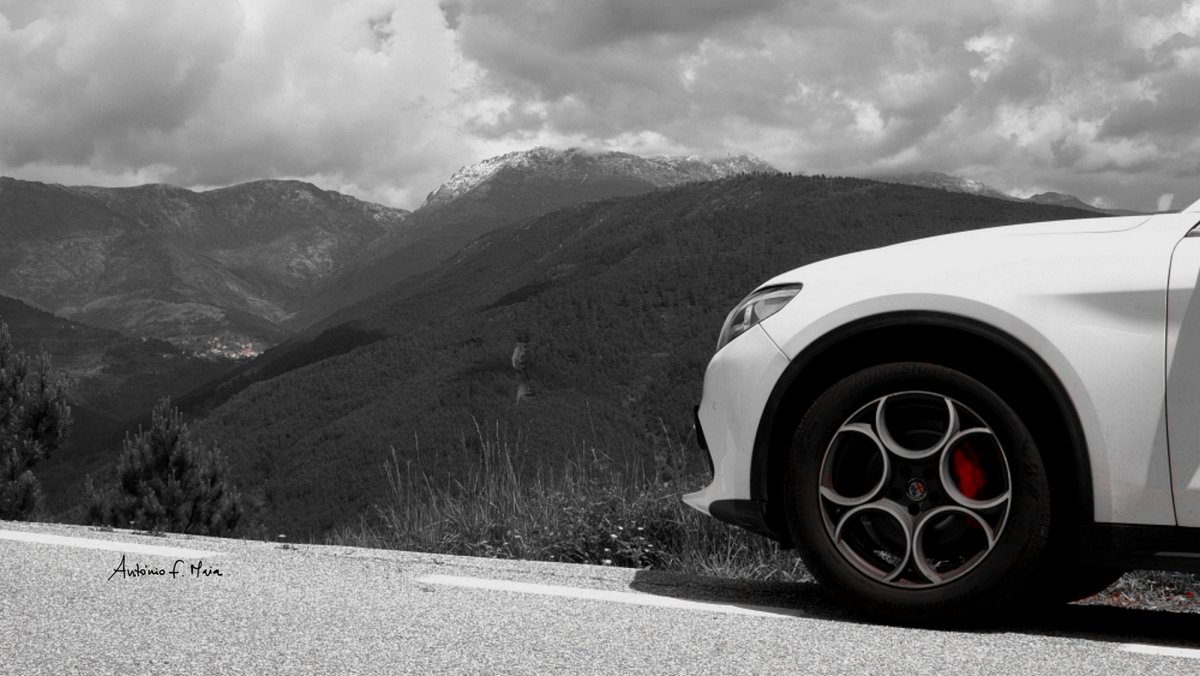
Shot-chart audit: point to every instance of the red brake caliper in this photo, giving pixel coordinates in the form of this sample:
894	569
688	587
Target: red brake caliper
968	474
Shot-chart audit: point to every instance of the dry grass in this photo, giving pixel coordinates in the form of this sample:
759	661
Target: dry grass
589	510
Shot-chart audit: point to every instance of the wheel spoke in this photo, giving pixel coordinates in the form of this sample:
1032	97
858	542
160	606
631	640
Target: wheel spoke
888	438
922	559
828	486
869	560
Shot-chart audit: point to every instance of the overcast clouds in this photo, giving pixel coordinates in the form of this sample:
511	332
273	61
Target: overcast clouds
384	99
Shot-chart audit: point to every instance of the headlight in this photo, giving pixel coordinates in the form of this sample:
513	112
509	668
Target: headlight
755	308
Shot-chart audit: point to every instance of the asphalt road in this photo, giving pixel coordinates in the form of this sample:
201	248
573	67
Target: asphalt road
80	600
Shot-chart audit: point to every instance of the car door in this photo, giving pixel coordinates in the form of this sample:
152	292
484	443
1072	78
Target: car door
1183	378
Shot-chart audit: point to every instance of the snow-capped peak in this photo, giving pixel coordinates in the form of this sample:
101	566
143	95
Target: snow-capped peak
660	171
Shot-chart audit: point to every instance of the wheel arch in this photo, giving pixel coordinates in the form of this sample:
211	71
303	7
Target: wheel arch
986	353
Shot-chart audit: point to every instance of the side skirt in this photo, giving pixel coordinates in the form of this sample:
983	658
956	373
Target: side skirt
1141	547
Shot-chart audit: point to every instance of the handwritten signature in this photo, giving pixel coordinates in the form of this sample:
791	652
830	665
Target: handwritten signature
180	569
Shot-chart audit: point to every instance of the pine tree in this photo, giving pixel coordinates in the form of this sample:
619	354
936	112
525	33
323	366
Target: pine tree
34	421
167	480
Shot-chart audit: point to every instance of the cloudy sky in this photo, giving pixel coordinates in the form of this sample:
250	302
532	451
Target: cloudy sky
385	99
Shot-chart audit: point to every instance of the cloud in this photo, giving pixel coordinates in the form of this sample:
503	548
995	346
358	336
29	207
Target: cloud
361	95
386	98
84	83
1021	94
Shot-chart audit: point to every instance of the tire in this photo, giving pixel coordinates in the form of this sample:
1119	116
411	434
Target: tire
917	496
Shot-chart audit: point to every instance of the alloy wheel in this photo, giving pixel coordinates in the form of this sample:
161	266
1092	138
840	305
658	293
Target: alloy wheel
915	489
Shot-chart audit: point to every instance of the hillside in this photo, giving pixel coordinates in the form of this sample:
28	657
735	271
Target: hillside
1064	200
940	181
112	380
616	304
221	271
33	329
507	189
229	272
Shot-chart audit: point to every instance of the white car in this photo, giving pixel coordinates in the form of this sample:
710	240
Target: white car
947	426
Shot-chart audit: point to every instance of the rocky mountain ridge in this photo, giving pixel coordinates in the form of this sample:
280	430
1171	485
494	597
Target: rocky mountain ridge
660	171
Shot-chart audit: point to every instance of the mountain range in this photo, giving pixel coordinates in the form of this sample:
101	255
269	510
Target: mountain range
229	272
581	167
142	280
612	305
232	271
221	271
508	189
390	330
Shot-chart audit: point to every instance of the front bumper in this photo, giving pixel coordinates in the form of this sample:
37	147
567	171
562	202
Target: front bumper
737	384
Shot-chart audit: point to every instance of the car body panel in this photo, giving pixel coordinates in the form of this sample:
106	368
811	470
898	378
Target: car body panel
1183	379
1088	297
750	364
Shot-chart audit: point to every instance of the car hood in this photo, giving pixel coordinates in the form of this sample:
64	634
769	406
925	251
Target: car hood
985	242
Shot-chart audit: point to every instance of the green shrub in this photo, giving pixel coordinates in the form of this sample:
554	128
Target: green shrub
168	481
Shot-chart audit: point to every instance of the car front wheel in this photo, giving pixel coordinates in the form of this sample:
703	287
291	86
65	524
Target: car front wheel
917	495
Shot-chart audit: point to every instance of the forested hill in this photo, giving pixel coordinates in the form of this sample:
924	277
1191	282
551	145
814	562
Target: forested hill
221	271
110	378
508	189
618	304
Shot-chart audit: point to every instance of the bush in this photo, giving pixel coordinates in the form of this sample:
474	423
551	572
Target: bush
34	420
168	481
